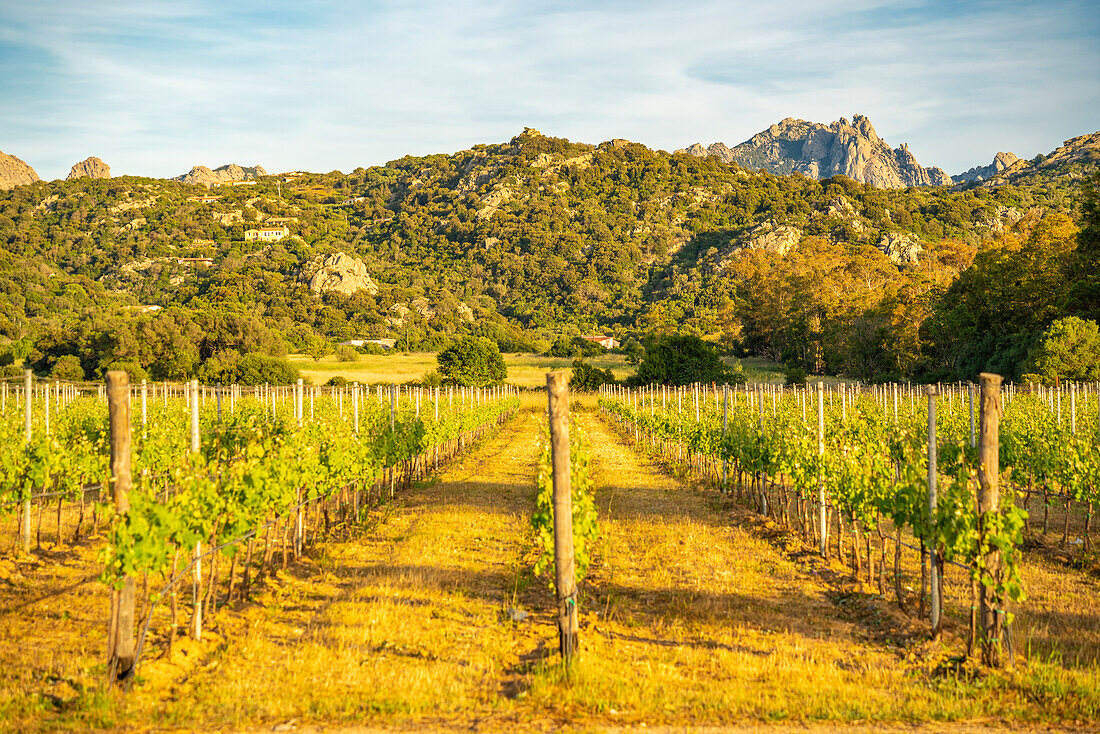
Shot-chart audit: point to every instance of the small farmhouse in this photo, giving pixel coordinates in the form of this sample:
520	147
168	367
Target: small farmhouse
607	342
266	234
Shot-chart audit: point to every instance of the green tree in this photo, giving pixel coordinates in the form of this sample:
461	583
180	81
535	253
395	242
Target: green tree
634	351
472	361
316	347
1068	350
681	359
68	368
1084	283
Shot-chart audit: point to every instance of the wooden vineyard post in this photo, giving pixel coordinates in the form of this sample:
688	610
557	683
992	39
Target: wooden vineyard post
822	516
557	388
989	504
28	384
121	637
299	391
355	405
933	558
194	394
725	426
196	589
970	397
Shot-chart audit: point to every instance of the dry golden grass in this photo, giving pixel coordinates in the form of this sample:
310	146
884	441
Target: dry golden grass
524	370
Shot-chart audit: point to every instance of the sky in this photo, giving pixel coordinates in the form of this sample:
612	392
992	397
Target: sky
155	87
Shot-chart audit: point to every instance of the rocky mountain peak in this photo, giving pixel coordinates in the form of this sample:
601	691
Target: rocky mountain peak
852	149
15	172
222	174
89	168
1001	162
860	125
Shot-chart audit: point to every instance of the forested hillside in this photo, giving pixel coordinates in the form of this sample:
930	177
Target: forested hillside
535	238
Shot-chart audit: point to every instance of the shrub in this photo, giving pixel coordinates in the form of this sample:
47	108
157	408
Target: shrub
575	347
431	378
136	372
251	369
795	375
589	378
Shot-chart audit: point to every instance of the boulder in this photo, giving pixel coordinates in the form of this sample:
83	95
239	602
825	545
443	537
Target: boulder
1005	218
340	273
901	247
770	237
841	207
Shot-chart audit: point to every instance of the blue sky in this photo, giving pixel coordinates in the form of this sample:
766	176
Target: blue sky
154	87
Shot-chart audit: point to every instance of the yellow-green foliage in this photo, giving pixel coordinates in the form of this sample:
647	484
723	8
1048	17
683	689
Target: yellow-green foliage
585	529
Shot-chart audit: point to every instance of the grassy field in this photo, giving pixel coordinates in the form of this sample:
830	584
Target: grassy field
524	370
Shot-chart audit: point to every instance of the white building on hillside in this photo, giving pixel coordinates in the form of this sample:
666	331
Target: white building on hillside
267	234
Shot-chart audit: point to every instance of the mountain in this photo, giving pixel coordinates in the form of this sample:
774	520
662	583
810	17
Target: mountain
90	168
820	151
15	172
1062	168
1001	161
520	242
222	174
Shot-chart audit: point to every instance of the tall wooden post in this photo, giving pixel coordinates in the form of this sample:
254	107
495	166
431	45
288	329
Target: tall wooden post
933	557
991	606
28	392
121	643
195	445
299	389
355	405
196	591
970	397
725	426
557	387
823	524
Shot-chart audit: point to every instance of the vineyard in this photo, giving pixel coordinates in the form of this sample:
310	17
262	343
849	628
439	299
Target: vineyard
295	553
220	476
864	468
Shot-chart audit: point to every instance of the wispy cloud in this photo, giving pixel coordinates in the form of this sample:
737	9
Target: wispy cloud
154	87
